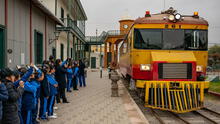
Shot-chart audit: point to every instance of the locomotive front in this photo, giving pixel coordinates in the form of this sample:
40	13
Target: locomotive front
168	60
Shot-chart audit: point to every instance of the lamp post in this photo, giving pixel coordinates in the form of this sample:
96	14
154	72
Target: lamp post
56	34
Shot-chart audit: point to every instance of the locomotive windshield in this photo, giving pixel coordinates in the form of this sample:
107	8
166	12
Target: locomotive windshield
170	39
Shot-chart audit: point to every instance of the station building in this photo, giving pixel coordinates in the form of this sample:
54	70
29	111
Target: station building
71	41
32	30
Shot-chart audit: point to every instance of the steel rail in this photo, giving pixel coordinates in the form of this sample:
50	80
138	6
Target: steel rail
207	118
180	118
157	116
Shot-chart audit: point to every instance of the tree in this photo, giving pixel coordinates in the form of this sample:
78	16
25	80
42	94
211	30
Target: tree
214	49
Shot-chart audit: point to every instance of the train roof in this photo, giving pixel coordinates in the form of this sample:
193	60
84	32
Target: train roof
164	18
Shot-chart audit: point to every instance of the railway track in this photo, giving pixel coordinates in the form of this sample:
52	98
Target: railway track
203	116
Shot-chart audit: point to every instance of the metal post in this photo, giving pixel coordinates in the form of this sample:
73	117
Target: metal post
115	78
68	43
101	61
77	49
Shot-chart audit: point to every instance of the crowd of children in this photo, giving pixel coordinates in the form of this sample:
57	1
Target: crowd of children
28	94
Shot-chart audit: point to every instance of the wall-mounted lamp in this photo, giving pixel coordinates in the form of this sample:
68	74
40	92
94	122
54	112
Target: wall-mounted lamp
57	34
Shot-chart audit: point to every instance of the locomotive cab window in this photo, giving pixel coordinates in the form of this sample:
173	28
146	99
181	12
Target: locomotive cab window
196	39
147	39
170	39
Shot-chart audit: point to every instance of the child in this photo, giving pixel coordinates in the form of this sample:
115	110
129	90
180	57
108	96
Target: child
39	76
75	76
10	107
28	100
53	91
44	93
69	77
22	74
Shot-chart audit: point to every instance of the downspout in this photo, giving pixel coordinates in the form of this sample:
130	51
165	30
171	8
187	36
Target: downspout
45	37
30	31
6	30
6	13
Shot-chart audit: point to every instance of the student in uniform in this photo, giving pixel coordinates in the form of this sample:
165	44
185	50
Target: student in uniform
69	77
39	76
28	100
53	84
75	76
22	74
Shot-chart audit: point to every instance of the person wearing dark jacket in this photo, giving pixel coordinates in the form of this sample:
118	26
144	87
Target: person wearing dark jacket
3	97
82	80
10	107
44	93
60	76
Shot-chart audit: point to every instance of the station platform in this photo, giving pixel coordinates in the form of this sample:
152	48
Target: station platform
94	105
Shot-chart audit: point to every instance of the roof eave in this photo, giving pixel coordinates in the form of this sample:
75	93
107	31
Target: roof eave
38	4
81	8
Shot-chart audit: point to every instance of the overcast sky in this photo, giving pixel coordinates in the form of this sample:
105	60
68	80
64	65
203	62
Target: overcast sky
105	14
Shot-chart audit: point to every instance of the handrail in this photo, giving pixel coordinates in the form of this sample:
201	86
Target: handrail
104	35
68	22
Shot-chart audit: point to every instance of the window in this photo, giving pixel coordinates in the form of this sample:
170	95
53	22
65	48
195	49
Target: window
71	52
38	47
54	52
148	39
2	47
196	39
173	39
62	14
170	39
61	51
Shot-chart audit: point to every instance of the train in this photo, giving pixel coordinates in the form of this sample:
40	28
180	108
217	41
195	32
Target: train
164	56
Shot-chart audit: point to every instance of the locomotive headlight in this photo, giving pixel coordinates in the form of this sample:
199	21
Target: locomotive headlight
177	16
171	17
145	67
199	68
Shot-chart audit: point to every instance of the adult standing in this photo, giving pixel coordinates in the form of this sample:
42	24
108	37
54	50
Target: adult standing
82	80
10	107
3	96
60	76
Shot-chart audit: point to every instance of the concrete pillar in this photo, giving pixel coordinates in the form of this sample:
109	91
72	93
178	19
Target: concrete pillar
77	48
68	44
116	54
105	55
113	52
74	47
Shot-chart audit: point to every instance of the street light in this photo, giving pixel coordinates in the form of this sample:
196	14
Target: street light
56	34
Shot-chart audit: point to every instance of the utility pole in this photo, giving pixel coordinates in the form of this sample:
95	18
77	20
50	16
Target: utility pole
164	5
96	39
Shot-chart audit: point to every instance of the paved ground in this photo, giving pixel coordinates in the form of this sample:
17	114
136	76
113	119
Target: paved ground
94	105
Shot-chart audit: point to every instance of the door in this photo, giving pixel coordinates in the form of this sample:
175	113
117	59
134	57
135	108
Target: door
61	51
109	58
93	62
2	47
38	47
54	53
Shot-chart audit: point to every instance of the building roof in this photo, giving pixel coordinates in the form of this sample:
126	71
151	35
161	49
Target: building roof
38	4
163	18
82	9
